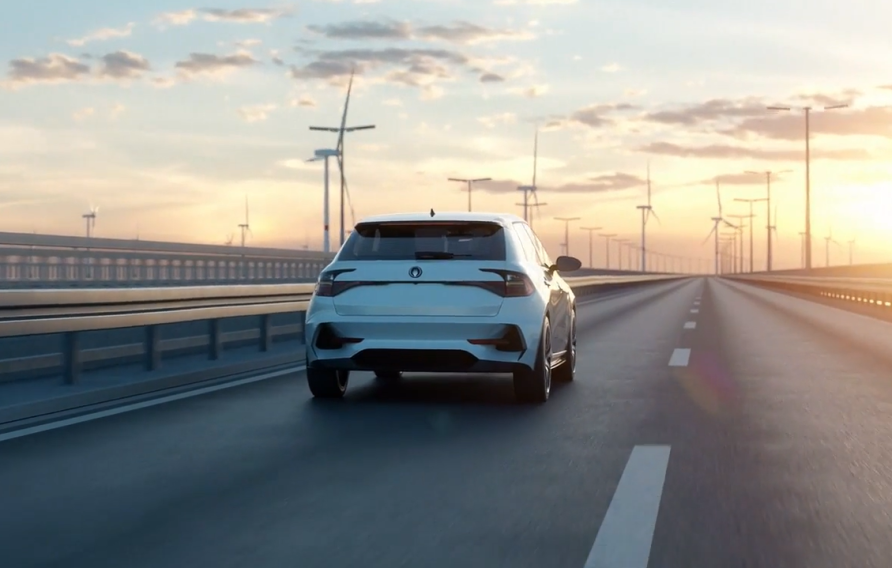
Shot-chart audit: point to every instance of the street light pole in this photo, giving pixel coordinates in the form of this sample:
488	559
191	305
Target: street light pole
607	248
590	231
566	221
469	182
752	226
807	110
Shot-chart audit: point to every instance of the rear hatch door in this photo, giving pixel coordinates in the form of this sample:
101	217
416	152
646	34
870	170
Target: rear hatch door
425	269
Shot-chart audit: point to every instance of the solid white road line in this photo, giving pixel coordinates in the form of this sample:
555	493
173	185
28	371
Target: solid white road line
695	311
690	325
627	532
146	404
680	358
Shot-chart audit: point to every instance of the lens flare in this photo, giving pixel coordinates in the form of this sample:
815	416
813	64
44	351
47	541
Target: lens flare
708	382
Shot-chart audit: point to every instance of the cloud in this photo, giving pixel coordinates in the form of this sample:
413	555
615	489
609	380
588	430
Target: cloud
491	78
598	115
246	43
180	18
728	152
868	121
83	113
532	92
303	101
611	68
497	119
103	34
256	113
239	16
712	110
736	179
211	64
55	68
716	111
420	68
603	183
123	65
116	111
460	32
245	15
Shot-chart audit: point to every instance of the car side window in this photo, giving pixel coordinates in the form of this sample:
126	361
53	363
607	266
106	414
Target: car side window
529	248
544	259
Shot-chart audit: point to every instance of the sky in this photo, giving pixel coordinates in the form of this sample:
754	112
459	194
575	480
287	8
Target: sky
166	115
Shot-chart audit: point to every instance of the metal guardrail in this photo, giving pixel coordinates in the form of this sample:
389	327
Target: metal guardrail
867	291
48	333
52	261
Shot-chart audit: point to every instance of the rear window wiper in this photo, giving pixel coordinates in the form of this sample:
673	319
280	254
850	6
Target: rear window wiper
434	255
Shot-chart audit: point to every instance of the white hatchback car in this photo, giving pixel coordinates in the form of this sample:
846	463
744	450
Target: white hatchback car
443	292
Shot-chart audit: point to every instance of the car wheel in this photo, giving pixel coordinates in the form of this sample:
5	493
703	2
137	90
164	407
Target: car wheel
327	383
388	375
566	372
534	385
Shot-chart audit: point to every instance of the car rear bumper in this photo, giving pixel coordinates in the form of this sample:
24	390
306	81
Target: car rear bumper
462	344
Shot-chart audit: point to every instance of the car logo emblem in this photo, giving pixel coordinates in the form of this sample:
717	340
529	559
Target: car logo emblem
415	272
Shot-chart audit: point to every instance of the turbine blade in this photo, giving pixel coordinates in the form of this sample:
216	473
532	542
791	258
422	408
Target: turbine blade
346	107
654	213
706	240
648	183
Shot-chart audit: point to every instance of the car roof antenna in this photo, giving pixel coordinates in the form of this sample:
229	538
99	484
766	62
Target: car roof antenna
432	211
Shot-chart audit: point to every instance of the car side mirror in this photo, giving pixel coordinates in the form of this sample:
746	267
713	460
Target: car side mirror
566	264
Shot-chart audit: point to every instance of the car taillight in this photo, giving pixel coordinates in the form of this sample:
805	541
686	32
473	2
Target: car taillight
326	286
513	285
517	284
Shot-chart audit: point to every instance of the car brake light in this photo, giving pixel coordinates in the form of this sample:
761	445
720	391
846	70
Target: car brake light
327	287
514	284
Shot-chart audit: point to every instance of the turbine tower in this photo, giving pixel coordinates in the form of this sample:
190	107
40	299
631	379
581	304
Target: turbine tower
715	225
769	255
246	226
741	227
326	238
646	212
531	189
90	219
827	240
851	250
341	130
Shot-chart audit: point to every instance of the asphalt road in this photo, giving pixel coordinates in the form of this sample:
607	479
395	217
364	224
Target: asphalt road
754	438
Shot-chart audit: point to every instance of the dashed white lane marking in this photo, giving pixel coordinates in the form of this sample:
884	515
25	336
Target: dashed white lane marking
690	325
145	404
696	302
680	358
695	311
626	534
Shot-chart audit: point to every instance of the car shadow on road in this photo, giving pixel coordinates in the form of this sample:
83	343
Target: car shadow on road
438	389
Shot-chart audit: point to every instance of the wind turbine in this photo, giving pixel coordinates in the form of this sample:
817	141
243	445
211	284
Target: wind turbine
90	218
827	240
715	225
326	240
851	250
246	226
528	189
229	238
646	212
341	130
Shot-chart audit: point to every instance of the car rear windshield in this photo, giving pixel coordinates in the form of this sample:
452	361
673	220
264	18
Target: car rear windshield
425	240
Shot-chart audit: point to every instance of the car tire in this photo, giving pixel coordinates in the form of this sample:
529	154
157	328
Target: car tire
534	385
566	372
388	375
327	383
